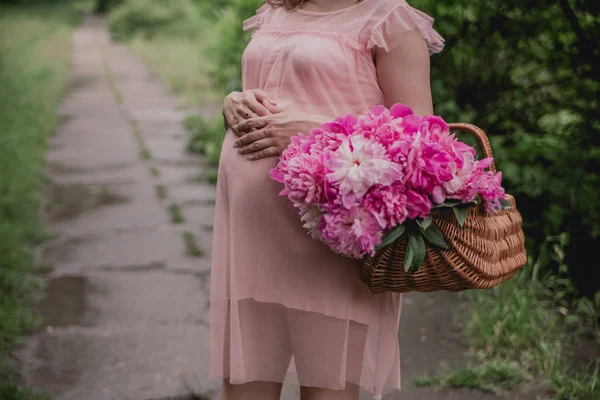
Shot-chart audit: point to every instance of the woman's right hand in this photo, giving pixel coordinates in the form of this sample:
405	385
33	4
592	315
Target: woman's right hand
239	106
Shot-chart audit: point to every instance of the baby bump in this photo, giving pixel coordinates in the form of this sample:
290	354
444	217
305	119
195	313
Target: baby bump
248	183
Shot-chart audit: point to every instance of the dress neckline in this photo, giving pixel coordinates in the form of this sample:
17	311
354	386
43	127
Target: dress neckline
341	10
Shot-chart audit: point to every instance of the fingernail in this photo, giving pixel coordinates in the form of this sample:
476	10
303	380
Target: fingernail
272	102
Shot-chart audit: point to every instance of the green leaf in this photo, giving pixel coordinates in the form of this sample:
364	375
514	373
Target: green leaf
435	236
505	204
456	203
424	223
392	236
448	204
461	214
416	248
409	255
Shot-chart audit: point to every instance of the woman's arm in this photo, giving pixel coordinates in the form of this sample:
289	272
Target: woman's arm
404	74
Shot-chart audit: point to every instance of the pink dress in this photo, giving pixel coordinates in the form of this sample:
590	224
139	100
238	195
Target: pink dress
283	306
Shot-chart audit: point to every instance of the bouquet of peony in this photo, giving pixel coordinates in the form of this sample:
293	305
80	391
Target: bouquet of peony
360	183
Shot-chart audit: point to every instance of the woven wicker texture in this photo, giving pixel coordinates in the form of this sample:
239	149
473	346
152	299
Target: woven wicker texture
486	251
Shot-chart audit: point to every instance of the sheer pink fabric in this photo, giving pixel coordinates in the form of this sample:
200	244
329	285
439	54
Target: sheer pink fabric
283	306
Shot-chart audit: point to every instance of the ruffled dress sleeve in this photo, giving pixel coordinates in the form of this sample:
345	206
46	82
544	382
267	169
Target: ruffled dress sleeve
255	21
403	18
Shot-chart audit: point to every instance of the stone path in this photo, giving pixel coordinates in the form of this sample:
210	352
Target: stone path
126	304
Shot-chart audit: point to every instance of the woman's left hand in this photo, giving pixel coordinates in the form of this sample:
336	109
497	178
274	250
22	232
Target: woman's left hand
272	133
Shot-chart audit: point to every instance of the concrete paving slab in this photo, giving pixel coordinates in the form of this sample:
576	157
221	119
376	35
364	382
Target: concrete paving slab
126	251
202	193
124	364
143	299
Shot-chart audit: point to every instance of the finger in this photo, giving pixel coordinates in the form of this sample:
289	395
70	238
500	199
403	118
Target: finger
258	109
233	122
273	108
263	96
251	123
264	153
253	105
230	118
256	146
248	138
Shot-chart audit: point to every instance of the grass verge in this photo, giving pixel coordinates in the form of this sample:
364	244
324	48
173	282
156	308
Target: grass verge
495	376
531	328
35	52
206	136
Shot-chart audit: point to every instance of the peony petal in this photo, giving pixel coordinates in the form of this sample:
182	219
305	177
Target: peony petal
276	175
438	195
485	163
378	110
350	122
435	122
411	123
400	110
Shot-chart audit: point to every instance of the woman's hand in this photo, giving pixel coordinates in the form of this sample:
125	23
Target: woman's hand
239	106
269	135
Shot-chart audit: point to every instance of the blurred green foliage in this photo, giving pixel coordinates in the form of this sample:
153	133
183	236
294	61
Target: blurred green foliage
207	136
149	18
528	72
227	51
103	6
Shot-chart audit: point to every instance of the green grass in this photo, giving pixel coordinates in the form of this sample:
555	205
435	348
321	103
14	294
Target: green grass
35	49
180	63
191	244
206	136
161	192
530	326
211	176
495	376
176	216
145	154
154	172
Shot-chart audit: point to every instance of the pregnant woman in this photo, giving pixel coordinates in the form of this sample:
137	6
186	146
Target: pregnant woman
284	306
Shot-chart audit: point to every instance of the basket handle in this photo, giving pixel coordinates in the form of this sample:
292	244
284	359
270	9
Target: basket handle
481	137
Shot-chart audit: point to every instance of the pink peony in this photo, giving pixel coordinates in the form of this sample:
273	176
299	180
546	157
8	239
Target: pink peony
388	204
357	165
353	232
357	177
417	205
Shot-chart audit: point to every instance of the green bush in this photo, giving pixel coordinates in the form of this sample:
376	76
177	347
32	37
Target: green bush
528	73
227	51
151	18
103	6
206	136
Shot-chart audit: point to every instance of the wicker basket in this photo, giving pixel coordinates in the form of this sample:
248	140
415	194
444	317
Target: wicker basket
486	251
